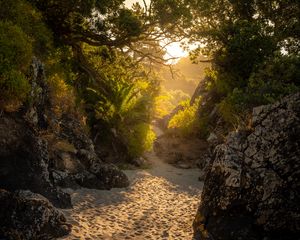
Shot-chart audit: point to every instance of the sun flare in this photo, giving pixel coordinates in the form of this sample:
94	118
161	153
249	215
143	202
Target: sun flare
174	50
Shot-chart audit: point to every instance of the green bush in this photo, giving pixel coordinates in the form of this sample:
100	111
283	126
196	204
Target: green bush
276	78
15	57
122	100
187	121
30	20
139	138
167	101
16	48
234	109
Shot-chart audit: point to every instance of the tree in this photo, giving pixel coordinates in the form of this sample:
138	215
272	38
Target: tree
99	23
15	57
242	39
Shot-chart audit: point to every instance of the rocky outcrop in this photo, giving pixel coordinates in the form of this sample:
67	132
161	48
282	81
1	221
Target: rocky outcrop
28	216
252	188
40	151
24	160
81	165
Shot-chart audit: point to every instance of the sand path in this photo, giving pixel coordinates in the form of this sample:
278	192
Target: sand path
160	203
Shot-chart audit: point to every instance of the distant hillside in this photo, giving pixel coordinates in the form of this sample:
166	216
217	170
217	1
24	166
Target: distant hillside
186	75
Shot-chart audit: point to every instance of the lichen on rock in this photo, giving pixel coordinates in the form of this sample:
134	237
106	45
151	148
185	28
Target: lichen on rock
252	187
29	216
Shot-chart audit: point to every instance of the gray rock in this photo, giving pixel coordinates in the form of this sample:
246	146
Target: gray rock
24	161
212	138
109	175
252	187
139	161
28	216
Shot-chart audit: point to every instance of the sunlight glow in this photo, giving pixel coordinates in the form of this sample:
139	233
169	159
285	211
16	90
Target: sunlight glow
128	3
174	50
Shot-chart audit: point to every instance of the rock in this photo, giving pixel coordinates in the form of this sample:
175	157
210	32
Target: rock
139	161
90	180
110	175
34	111
86	156
96	174
40	149
64	179
28	216
212	138
68	162
202	176
72	130
24	160
183	165
252	187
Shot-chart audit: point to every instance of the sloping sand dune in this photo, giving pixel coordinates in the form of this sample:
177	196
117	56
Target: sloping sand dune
159	204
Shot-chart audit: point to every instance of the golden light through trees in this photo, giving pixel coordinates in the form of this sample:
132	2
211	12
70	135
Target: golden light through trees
173	50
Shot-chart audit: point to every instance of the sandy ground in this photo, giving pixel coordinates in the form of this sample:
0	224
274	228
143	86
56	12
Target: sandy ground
160	203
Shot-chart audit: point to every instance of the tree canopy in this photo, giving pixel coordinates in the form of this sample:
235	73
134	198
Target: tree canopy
110	55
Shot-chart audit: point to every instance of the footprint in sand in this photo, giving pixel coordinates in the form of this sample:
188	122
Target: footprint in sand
160	204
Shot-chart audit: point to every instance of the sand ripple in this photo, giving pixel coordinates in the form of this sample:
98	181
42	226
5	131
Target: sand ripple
153	207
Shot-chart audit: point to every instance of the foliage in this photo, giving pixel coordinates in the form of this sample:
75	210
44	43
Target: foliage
234	109
22	34
125	104
74	21
16	50
254	49
276	78
92	53
187	122
168	100
25	16
103	55
15	57
62	95
139	138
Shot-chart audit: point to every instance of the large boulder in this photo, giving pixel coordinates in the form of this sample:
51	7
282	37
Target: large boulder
40	150
24	160
252	187
83	167
109	175
28	216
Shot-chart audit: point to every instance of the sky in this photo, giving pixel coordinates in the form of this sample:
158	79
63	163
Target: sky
174	49
128	3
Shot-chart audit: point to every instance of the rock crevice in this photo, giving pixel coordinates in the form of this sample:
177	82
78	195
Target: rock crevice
41	152
252	188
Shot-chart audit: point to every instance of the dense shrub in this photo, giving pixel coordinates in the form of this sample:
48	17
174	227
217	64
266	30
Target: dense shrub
122	100
276	78
139	138
15	57
16	48
30	20
187	122
62	95
168	100
22	34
